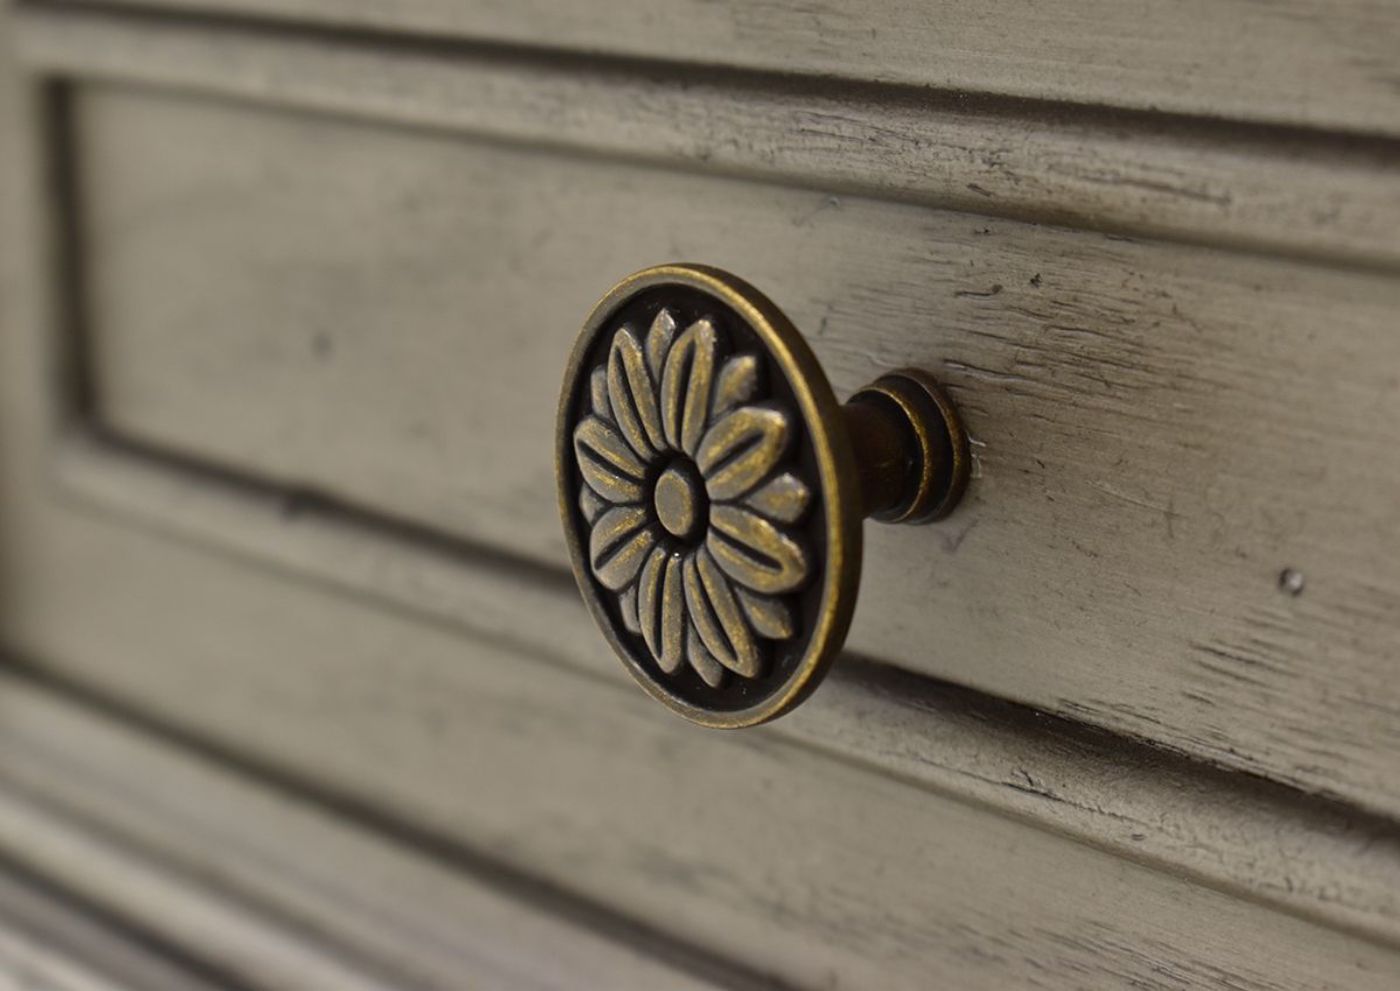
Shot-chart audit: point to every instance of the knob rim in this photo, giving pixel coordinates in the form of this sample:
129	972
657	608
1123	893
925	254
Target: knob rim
835	470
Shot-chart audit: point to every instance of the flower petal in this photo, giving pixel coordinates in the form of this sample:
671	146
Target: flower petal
633	395
619	545
718	618
686	384
590	505
769	617
659	338
784	499
661	607
741	449
598	392
607	464
705	665
754	552
627	602
737	383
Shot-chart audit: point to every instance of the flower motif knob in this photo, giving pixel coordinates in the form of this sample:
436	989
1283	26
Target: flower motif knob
713	490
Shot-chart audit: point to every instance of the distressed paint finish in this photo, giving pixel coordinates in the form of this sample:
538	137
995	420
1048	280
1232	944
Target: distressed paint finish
308	896
897	827
1309	62
1295	192
581	785
1159	431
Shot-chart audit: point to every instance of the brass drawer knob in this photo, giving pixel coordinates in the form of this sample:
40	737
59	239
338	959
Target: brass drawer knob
712	489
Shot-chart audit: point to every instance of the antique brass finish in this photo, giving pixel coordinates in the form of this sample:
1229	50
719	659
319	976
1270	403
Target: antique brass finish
680	500
712	489
908	436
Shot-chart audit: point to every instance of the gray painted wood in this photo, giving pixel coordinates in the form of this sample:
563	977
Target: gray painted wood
582	782
50	943
254	951
801	865
885	835
273	890
1313	62
1160	432
1241	835
1312	195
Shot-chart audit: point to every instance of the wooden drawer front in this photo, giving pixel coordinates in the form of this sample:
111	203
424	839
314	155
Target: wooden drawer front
382	315
1327	63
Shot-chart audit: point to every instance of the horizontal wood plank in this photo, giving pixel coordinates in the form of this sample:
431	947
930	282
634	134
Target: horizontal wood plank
254	951
581	781
408	718
1159	432
591	789
295	895
401	918
1133	175
1309	62
1240	834
50	943
606	797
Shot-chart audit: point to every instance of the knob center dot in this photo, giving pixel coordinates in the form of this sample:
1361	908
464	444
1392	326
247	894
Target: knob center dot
680	500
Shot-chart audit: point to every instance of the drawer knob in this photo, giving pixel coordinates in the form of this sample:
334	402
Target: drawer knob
712	489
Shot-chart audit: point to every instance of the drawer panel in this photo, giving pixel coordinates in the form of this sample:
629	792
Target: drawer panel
383	314
1311	62
806	869
1304	194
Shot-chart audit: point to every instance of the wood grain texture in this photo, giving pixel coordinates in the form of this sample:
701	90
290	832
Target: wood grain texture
49	943
169	838
1159	432
1239	834
1135	174
254	951
801	865
26	965
1307	62
410	718
581	782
